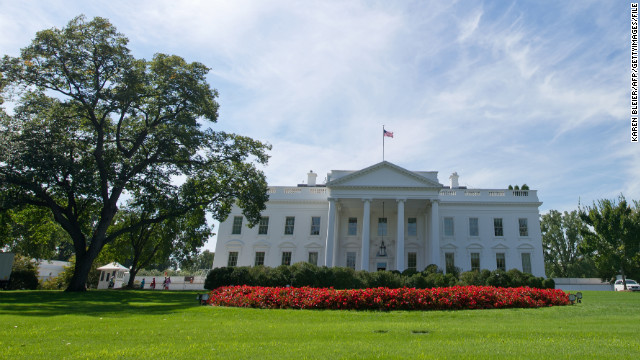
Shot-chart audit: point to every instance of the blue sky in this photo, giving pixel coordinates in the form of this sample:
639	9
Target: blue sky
533	92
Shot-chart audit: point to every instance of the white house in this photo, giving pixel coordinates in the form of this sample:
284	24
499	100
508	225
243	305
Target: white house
387	217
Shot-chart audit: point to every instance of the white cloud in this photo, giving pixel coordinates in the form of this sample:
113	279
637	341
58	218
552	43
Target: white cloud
526	93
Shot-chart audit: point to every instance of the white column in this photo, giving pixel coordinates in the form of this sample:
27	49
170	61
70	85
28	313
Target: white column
366	227
400	239
328	254
435	234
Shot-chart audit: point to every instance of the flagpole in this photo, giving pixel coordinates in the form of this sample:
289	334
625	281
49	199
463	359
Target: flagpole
383	142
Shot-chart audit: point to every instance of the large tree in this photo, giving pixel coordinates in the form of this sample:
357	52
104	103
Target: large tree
92	126
613	236
561	239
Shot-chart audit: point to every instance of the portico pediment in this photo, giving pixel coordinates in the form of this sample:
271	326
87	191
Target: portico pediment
384	174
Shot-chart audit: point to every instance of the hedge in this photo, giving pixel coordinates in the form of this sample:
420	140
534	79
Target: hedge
307	275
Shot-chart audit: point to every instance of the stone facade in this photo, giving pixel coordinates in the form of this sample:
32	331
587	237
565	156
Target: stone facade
387	217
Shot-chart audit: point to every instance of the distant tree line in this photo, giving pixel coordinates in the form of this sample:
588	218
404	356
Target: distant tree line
602	240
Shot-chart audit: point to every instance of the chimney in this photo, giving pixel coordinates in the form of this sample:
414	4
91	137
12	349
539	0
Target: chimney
311	178
454	180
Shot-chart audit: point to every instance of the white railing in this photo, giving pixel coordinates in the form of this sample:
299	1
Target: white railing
282	192
488	195
318	190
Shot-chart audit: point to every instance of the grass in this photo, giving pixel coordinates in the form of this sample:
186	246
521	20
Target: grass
170	325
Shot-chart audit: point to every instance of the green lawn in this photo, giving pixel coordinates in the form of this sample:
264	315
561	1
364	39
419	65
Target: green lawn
170	325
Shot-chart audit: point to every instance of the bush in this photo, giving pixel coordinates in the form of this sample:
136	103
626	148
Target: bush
416	281
498	278
548	283
472	278
23	280
24	274
218	277
305	274
387	279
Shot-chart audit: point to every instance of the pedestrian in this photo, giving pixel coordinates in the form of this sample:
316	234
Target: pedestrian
142	284
153	284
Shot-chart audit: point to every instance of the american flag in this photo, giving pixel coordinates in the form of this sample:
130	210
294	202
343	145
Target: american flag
387	133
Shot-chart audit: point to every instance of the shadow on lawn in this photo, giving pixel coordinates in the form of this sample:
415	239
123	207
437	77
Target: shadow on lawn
95	303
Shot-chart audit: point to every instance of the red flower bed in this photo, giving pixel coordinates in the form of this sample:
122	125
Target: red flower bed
450	298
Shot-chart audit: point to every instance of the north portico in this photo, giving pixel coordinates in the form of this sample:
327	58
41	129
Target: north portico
378	200
387	217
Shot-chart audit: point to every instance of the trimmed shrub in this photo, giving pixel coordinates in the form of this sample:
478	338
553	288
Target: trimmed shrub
498	278
305	274
218	277
548	283
472	278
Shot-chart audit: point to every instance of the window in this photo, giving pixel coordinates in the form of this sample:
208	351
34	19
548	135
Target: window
412	227
448	226
526	263
524	229
259	258
286	258
412	261
351	259
289	225
500	262
382	226
237	225
353	226
449	262
313	257
263	227
475	261
497	227
233	259
315	225
473	227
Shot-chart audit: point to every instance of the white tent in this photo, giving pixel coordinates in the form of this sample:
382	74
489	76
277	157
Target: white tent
112	276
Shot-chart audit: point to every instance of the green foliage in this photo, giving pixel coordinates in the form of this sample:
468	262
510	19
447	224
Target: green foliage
32	232
305	274
613	236
561	239
154	244
90	123
24	274
203	260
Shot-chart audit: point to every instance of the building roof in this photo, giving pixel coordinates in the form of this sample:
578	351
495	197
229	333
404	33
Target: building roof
113	266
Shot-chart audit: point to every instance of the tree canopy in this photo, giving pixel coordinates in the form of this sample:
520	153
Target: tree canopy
613	236
92	125
561	240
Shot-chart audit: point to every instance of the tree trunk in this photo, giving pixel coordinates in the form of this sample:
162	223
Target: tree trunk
132	277
81	270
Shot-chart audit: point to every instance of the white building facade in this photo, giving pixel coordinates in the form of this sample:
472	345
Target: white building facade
385	217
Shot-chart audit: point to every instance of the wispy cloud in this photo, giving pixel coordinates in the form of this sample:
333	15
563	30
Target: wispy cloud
504	93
